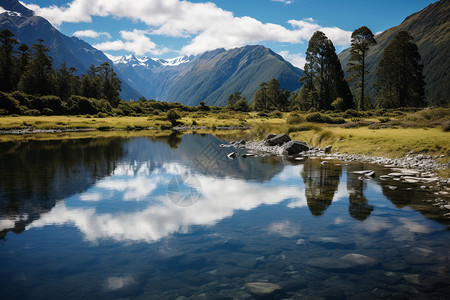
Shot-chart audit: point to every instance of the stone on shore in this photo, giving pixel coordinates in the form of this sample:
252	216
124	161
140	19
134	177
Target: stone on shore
295	147
278	140
327	149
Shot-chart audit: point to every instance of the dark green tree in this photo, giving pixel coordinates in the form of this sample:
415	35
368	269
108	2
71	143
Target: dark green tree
271	96
323	74
64	82
7	44
233	98
362	39
400	81
39	77
22	61
110	84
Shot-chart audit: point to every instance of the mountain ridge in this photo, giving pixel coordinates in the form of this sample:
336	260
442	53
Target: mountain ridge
27	28
212	76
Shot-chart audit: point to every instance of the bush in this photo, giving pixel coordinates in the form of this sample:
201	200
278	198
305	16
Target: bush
32	112
47	111
384	120
351	113
294	118
338	104
3	112
276	114
173	116
318	118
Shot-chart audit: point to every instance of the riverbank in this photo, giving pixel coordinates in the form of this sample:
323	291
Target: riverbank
368	137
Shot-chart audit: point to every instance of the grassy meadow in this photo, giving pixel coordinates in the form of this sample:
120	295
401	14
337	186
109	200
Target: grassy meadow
386	133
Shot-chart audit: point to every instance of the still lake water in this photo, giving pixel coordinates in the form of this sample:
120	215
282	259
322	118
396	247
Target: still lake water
173	217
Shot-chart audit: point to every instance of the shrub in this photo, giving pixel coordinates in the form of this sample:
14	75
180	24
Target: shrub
318	118
276	114
295	118
3	112
47	111
32	112
101	115
173	116
384	120
351	113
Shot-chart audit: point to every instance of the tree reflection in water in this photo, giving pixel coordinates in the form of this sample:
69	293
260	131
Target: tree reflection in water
321	183
358	208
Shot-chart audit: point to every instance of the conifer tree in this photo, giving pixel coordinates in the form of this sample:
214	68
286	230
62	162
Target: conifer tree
323	74
362	39
7	43
400	81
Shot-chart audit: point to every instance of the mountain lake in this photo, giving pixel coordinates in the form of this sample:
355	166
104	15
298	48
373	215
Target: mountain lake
174	218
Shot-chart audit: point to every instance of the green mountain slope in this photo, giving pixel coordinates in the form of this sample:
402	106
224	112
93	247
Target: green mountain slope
212	76
430	29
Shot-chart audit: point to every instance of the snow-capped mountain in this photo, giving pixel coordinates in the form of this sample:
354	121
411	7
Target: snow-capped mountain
210	77
149	62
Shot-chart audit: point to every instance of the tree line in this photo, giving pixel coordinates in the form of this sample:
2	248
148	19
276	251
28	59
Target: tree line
400	82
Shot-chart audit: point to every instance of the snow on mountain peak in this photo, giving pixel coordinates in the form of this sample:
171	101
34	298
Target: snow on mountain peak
150	62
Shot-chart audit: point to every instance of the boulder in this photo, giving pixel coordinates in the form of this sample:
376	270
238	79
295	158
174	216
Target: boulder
269	136
278	140
295	147
327	149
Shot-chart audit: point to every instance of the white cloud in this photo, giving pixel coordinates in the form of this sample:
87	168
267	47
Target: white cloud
135	41
91	34
284	1
297	59
208	26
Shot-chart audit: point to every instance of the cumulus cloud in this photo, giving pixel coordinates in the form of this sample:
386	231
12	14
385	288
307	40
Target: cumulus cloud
91	34
135	41
207	25
297	59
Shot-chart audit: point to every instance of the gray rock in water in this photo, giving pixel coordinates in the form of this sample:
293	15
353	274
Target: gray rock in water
278	140
262	288
232	155
295	147
327	149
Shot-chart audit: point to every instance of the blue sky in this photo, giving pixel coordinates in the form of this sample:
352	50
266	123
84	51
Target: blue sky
169	28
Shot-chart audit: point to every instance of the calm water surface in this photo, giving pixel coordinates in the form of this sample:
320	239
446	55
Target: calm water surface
174	218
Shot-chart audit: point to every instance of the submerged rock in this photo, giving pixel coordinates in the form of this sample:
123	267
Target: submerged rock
232	155
262	288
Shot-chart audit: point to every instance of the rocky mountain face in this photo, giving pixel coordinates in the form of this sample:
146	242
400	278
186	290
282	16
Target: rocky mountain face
28	28
430	29
209	77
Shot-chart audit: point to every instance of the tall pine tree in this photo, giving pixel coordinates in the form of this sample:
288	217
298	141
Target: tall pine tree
7	43
400	81
324	78
362	39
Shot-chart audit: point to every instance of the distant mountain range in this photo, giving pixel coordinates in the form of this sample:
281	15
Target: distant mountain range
430	29
210	77
27	28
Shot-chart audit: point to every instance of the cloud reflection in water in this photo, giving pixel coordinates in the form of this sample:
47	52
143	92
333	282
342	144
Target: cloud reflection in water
221	197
